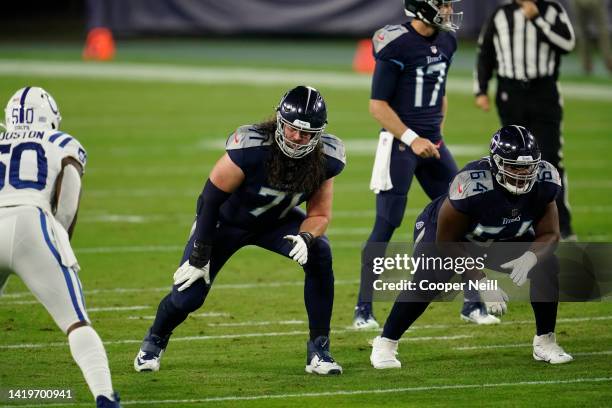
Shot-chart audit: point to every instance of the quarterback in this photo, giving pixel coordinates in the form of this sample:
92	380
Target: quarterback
40	188
409	101
506	197
251	198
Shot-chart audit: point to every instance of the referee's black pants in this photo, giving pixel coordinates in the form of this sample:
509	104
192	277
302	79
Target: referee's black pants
536	104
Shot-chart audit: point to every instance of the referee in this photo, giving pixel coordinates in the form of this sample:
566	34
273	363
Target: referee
523	42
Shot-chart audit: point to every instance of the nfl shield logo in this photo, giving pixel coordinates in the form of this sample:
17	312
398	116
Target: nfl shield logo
419	225
434	49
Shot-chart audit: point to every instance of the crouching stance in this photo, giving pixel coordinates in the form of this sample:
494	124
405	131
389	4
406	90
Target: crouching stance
40	187
252	198
510	197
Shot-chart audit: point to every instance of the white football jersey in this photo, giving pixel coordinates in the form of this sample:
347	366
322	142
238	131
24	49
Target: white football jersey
30	162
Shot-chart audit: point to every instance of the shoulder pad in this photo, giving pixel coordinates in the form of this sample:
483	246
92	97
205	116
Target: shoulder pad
68	146
333	147
547	173
386	35
246	136
469	183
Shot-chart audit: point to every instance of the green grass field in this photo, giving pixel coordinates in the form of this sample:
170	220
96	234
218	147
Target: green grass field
151	144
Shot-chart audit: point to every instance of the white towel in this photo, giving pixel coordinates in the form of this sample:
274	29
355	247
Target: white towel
62	241
381	176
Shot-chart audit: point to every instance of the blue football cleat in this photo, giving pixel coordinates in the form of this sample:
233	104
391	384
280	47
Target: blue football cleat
319	360
150	353
104	402
364	317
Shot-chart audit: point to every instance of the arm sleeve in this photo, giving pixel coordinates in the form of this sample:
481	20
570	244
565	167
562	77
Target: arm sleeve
486	60
384	81
207	211
557	28
68	200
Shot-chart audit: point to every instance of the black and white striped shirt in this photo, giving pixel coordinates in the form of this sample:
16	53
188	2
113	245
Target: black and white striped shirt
522	49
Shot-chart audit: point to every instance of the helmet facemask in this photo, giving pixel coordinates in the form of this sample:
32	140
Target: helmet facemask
290	148
517	176
438	13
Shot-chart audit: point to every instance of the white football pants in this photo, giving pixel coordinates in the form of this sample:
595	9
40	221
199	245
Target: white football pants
29	247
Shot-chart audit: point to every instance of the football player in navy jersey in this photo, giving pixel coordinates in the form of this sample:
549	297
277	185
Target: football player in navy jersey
408	99
506	197
252	198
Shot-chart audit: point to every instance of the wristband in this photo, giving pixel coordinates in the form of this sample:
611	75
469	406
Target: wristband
408	136
200	254
307	237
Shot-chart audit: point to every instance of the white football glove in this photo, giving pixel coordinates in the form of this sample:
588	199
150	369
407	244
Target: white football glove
299	253
494	300
189	274
521	267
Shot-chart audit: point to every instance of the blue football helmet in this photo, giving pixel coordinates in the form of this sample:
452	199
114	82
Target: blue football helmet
515	158
434	12
301	108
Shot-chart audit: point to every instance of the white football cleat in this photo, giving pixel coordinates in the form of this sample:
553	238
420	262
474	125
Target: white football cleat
150	353
147	361
364	318
545	348
476	312
384	352
318	358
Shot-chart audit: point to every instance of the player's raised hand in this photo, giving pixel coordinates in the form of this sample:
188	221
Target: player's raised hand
482	102
424	148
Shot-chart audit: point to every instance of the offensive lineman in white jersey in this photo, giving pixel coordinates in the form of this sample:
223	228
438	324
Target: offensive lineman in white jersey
40	186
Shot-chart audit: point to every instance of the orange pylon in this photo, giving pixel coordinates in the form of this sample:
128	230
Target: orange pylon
364	60
99	45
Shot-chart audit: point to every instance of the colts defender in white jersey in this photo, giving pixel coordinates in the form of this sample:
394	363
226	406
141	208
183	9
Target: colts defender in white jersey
40	186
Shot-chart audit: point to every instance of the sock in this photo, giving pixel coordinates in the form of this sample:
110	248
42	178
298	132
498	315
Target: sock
402	315
88	352
545	317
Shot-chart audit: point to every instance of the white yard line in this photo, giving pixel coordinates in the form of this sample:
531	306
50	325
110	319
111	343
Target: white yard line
217	337
584	380
278	284
247	76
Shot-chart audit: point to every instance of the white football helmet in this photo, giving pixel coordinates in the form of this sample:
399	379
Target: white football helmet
32	108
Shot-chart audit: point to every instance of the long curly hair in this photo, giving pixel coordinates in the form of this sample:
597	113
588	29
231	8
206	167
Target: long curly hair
303	175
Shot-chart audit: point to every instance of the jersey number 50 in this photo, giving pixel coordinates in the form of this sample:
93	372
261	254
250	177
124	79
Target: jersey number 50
14	175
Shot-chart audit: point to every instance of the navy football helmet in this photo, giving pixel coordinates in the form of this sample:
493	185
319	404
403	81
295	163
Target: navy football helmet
515	158
431	12
301	108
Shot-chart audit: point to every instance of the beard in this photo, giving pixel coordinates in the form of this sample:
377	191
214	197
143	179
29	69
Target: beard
303	175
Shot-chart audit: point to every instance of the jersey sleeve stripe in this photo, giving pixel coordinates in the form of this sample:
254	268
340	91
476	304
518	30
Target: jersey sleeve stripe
65	141
54	136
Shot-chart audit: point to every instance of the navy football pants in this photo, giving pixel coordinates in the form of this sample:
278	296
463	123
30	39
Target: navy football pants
434	176
318	279
409	305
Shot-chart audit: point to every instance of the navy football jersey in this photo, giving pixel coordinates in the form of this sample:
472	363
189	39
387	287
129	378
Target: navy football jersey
255	203
411	73
496	214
